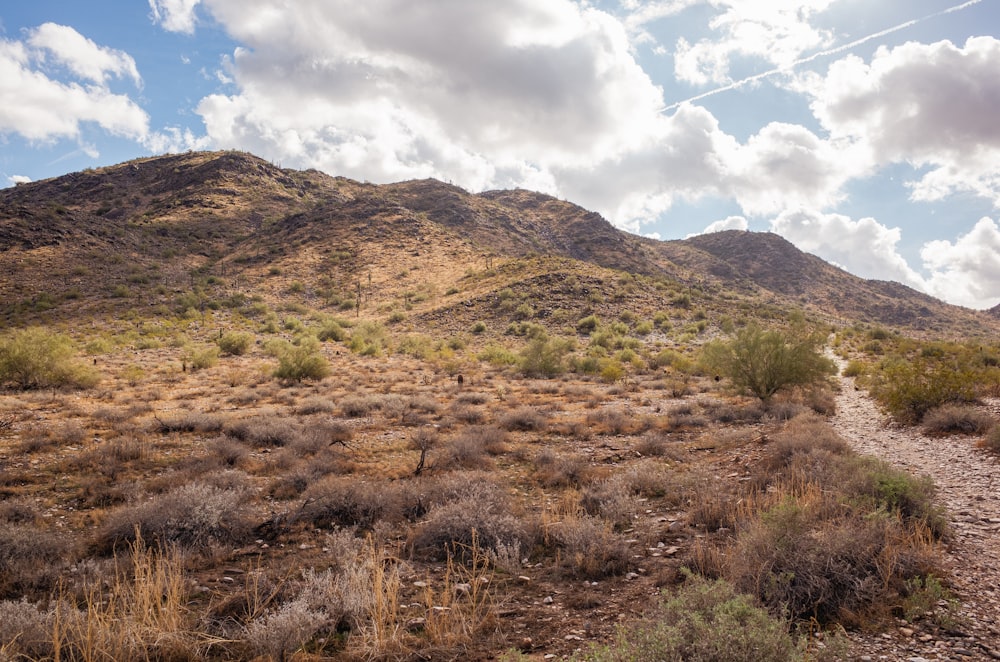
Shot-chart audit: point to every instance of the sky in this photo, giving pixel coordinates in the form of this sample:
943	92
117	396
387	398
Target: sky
867	133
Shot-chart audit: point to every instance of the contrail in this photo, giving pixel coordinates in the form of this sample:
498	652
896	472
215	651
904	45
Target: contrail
815	56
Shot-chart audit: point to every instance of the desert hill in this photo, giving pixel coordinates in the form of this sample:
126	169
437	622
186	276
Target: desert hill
225	224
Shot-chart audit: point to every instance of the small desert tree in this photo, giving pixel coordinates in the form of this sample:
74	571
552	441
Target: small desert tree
38	358
300	361
764	361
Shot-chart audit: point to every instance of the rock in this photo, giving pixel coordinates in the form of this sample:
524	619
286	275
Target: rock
547	600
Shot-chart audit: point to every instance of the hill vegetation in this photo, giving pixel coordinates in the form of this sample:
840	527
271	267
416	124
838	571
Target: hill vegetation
253	412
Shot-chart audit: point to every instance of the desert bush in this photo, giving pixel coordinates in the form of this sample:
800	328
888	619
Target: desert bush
190	421
38	358
992	440
466	452
497	355
264	430
893	490
345	501
331	330
454	529
315	405
196	515
467	414
26	631
201	357
301	361
31	558
234	343
956	419
763	361
555	470
355	406
611	500
855	369
545	357
909	387
229	451
589	548
524	419
369	339
704	620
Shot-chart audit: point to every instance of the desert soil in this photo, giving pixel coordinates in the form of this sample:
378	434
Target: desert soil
967	480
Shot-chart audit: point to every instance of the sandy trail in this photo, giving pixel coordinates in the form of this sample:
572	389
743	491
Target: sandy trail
967	479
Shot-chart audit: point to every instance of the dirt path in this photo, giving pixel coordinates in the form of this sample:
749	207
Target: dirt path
968	482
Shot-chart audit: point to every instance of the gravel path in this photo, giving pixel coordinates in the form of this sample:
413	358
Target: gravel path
967	480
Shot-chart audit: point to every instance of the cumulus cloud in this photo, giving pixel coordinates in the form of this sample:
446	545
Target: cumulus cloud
87	60
930	105
777	32
19	179
39	107
175	15
728	223
864	247
966	271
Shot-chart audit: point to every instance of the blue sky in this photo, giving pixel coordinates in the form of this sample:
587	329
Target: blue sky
864	132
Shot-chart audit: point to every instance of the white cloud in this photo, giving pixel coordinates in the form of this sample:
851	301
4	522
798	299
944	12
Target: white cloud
80	55
175	15
19	179
42	108
930	105
777	32
967	271
864	247
476	93
728	223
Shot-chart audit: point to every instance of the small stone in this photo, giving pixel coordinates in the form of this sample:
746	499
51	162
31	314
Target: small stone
906	632
420	584
463	589
572	637
547	600
632	575
524	579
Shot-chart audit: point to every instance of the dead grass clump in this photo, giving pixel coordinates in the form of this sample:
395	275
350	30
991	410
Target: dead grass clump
492	439
197	516
345	501
264	430
467	414
956	419
817	559
727	412
472	398
555	470
189	422
454	529
25	630
992	440
229	451
36	439
524	419
611	500
356	406
589	548
464	452
613	420
657	443
685	416
804	435
315	405
31	559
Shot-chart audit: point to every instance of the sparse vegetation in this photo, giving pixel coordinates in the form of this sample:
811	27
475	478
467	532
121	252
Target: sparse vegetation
35	358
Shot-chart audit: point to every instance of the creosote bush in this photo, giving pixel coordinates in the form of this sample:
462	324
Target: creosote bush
38	358
297	362
234	343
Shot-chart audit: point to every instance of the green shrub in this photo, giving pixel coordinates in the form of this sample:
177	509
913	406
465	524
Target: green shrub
588	324
369	339
763	361
331	330
38	358
479	327
545	357
497	355
201	357
234	343
301	361
705	620
909	387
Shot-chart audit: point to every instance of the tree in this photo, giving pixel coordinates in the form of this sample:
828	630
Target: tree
763	361
38	358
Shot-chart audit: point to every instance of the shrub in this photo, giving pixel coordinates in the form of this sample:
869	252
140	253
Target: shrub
524	419
197	515
956	419
199	358
234	343
992	440
301	361
909	387
590	548
545	357
588	324
453	529
497	355
763	361
369	339
479	327
31	558
264	430
705	620
331	330
37	358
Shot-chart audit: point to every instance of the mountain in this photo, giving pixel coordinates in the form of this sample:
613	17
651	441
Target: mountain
208	227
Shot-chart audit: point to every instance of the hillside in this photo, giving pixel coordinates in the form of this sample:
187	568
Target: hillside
144	232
